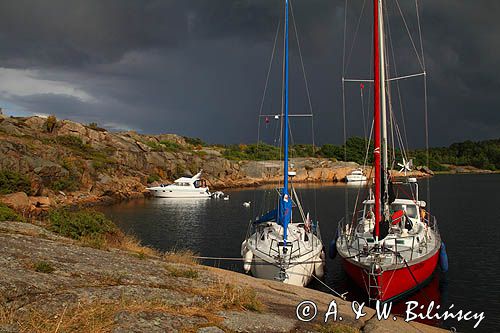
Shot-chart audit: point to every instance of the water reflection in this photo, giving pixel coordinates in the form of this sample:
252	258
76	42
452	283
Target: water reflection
217	227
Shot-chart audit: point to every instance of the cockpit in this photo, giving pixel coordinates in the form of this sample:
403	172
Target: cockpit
410	209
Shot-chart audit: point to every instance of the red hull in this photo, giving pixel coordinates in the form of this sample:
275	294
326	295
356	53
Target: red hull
393	283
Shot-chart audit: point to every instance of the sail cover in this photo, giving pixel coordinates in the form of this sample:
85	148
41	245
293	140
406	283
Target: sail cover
269	216
285	210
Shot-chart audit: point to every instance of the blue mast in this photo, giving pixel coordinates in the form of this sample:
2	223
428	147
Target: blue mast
285	201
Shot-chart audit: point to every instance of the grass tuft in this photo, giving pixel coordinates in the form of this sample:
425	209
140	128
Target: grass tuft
8	214
228	296
186	257
335	328
130	243
43	267
181	272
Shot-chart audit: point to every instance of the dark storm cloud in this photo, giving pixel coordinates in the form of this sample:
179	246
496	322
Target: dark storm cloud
198	67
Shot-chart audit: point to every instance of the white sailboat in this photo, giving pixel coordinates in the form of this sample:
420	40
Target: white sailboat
184	187
284	244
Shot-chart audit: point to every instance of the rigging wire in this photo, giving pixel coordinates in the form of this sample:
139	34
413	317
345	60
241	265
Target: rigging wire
267	80
264	96
355	33
346	198
341	295
363	110
409	35
397	84
426	108
309	100
388	89
303	69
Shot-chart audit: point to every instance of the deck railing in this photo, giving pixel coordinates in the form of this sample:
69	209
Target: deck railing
295	248
358	246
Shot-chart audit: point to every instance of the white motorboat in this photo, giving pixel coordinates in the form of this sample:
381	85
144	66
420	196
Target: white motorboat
184	187
356	175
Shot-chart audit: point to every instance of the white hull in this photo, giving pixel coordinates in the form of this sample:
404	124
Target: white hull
355	178
184	187
166	193
297	275
264	257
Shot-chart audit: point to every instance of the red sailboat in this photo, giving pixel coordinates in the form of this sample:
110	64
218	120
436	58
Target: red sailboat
392	246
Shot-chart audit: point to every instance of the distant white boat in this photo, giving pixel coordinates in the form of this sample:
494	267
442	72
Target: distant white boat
184	187
356	176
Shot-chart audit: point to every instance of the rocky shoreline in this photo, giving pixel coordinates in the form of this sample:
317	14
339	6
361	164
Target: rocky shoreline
67	163
49	283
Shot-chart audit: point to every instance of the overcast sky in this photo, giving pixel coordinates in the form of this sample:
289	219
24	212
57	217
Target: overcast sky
198	67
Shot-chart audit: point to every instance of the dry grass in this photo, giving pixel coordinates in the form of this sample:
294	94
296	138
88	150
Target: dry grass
95	317
7	315
225	296
98	316
43	267
130	243
175	271
335	328
121	241
186	257
96	242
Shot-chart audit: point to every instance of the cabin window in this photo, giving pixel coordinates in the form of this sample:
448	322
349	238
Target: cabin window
368	208
411	211
396	207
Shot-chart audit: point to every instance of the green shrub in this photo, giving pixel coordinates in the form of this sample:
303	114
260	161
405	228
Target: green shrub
65	184
8	214
50	123
302	150
72	141
194	141
153	178
96	127
80	224
44	267
155	146
101	160
11	182
200	153
171	146
258	152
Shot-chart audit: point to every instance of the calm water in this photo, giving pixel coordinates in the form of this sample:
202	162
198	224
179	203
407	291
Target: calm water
465	205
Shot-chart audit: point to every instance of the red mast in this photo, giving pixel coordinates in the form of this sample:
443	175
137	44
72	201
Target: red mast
376	125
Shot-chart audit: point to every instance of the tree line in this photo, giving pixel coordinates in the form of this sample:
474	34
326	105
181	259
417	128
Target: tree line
480	154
